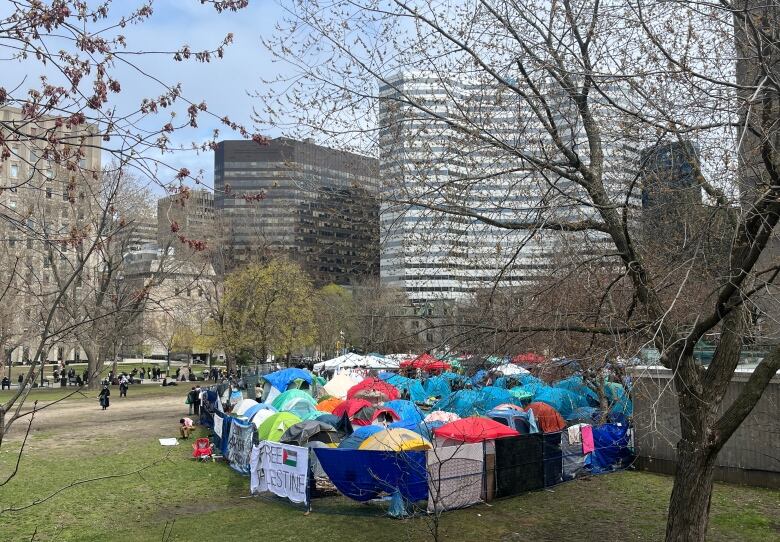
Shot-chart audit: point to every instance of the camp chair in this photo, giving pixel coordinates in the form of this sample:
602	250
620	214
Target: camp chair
201	449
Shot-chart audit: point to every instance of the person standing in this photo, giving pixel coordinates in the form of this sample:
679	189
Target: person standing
103	397
196	404
191	400
123	385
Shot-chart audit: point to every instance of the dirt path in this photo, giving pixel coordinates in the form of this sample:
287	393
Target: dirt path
83	421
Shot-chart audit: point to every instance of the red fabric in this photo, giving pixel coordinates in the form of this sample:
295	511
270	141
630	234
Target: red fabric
201	448
547	418
528	357
351	407
426	362
474	430
376	385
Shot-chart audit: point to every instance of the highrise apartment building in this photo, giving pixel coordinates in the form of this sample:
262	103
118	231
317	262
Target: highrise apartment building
47	207
426	165
316	205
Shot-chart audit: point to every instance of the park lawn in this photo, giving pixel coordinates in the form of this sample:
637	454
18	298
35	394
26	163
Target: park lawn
204	501
47	395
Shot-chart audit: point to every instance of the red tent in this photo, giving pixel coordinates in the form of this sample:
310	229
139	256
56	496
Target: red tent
374	386
351	407
474	430
527	358
547	418
426	362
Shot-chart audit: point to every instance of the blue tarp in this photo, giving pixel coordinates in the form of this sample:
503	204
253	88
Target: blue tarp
589	415
426	429
410	385
363	475
490	397
577	385
328	418
437	386
353	441
223	442
461	403
611	447
478	377
564	401
281	379
453	377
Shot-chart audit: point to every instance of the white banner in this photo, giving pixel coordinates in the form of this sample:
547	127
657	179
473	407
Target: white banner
218	426
281	469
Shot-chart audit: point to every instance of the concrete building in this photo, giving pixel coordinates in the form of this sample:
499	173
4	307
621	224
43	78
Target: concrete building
425	165
310	202
189	213
48	207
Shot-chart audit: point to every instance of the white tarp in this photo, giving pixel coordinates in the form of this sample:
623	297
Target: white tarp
281	469
168	442
509	369
218	426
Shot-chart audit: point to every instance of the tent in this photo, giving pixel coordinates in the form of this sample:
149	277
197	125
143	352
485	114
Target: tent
437	386
562	400
521	421
426	362
290	397
373	389
461	403
261	415
275	425
281	380
360	434
548	419
395	440
327	405
473	430
528	358
351	407
490	397
510	369
254	409
337	362
407	386
441	416
340	384
577	385
406	410
303	432
243	406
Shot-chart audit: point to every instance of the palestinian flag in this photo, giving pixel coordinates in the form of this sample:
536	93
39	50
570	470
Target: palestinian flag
290	458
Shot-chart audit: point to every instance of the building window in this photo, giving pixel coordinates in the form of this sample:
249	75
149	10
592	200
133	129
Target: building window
48	192
14	171
11	242
29	243
12	204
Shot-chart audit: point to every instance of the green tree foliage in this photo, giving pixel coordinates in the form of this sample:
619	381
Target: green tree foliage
268	309
335	317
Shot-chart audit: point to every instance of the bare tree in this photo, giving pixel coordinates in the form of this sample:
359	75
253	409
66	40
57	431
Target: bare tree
525	124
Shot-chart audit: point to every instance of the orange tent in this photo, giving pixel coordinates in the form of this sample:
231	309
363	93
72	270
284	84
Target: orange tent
547	418
328	404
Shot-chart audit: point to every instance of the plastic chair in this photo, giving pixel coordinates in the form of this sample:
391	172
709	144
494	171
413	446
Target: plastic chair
202	449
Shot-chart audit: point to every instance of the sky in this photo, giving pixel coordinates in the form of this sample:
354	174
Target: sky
223	84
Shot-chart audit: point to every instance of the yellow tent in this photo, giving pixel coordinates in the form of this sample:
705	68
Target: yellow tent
396	440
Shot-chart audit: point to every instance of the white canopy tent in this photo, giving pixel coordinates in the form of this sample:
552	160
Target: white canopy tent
355	361
510	369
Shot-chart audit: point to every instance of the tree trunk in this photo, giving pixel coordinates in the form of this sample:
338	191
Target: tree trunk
689	505
93	365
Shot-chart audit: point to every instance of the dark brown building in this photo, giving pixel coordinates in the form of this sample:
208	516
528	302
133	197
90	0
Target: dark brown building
315	204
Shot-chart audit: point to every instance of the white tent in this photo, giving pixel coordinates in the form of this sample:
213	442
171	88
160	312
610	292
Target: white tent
335	363
510	369
243	406
339	385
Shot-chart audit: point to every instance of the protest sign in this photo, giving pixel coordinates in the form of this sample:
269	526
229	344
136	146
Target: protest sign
281	469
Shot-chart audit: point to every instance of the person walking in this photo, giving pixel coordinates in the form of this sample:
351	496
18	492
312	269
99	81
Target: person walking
103	397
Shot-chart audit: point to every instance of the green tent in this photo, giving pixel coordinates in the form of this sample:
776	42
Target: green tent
284	400
274	427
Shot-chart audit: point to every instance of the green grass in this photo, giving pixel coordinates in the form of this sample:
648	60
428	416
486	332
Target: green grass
46	395
203	501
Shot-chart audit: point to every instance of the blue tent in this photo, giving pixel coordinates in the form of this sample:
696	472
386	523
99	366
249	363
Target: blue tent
490	397
461	403
589	415
254	409
527	379
453	377
281	379
413	387
426	429
478	377
437	386
353	441
564	401
577	385
328	418
406	410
